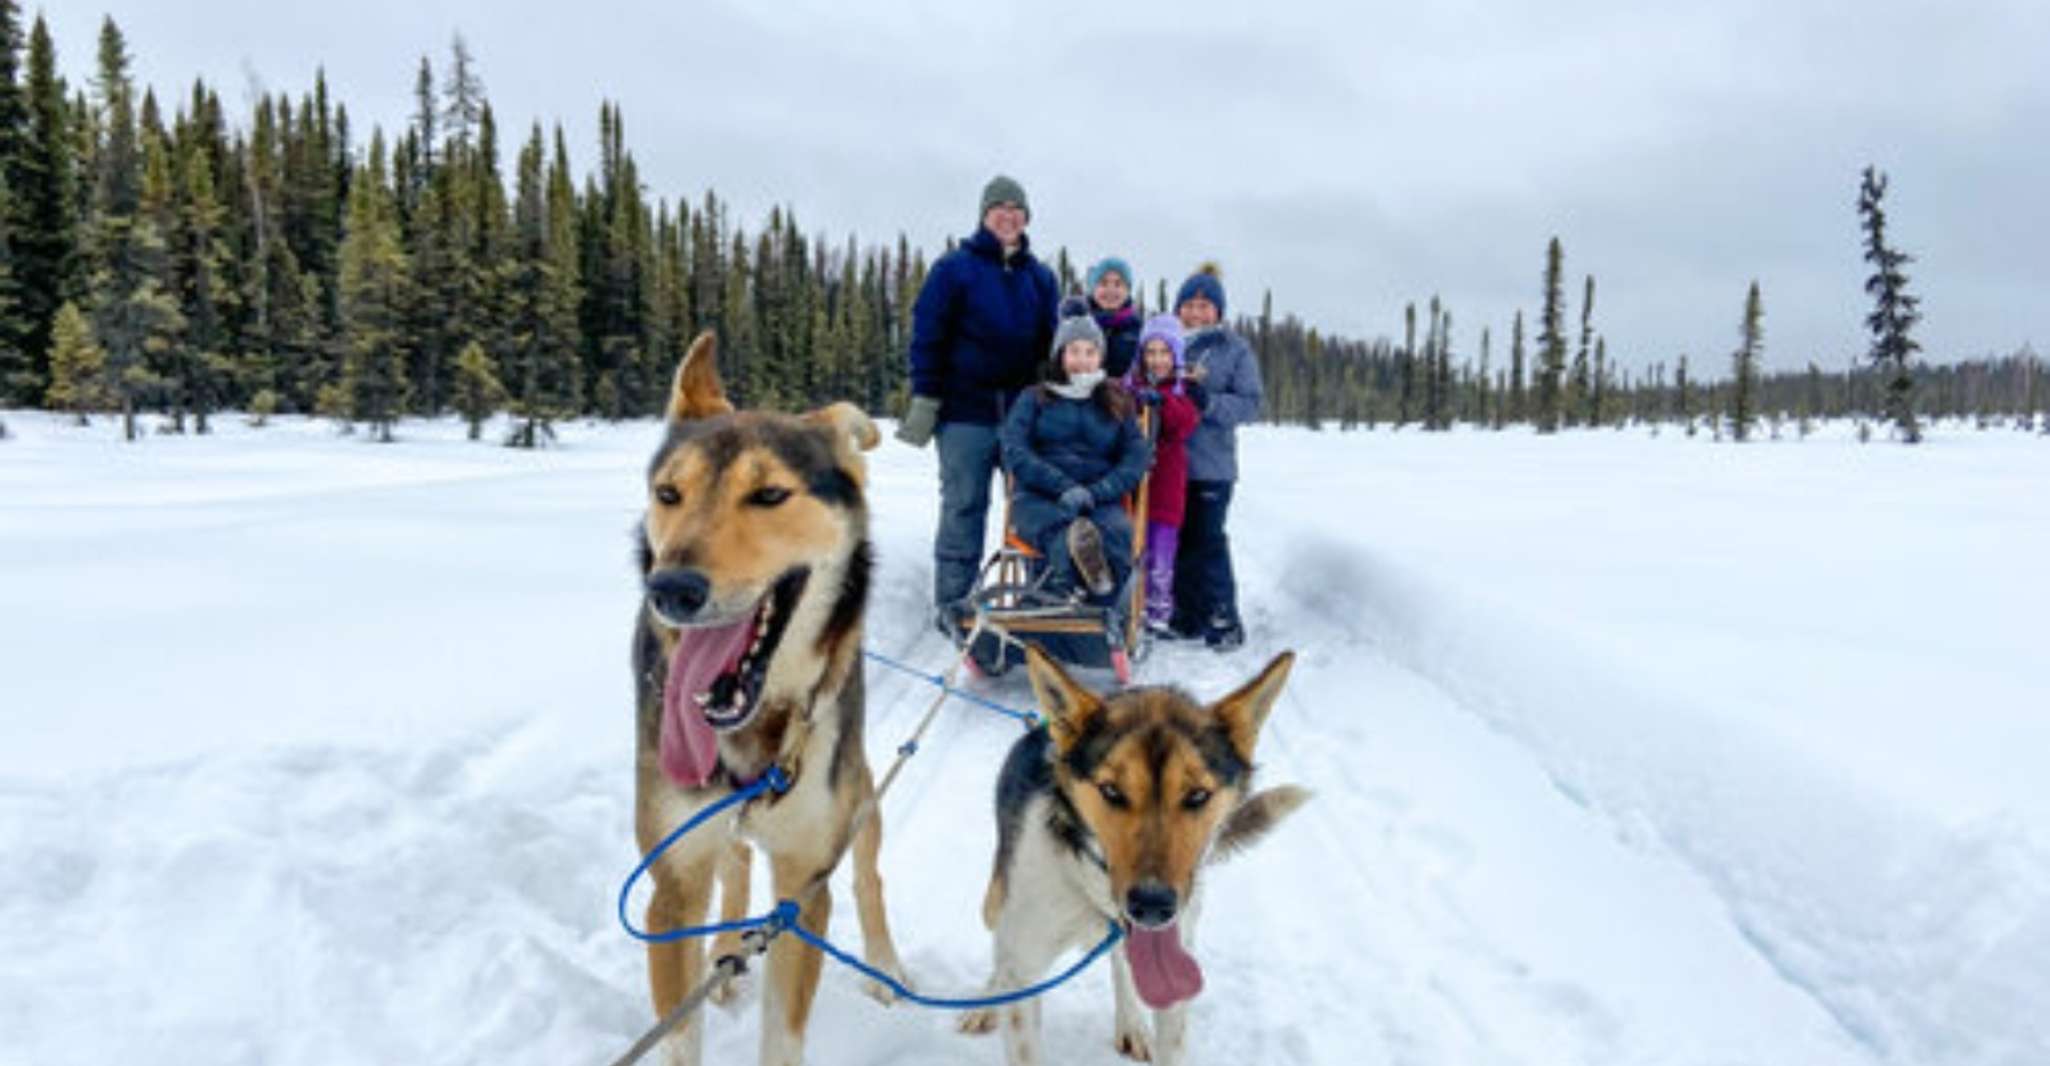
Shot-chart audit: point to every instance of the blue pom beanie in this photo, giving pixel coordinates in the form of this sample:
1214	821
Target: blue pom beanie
1205	282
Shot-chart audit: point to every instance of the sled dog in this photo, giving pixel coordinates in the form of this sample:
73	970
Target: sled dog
1108	814
755	559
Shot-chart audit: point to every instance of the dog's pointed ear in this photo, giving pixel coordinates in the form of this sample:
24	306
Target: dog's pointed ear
1250	821
697	392
1245	711
851	422
1068	706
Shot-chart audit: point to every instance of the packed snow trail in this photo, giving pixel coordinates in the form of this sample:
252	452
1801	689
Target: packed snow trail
319	752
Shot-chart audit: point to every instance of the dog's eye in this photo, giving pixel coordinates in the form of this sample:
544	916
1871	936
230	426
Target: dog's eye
1195	799
667	496
1113	795
768	496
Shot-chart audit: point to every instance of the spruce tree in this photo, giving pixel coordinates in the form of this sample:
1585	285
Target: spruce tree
18	377
740	330
1408	364
1516	392
478	393
616	280
134	318
426	124
1683	396
1579	386
446	288
199	265
2032	389
1551	342
1441	373
542	356
1894	312
169	360
1812	403
43	193
78	369
1744	364
282	303
492	254
1597	414
371	296
464	96
1434	386
1483	398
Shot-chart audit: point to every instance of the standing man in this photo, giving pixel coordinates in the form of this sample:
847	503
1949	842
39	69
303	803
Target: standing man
982	324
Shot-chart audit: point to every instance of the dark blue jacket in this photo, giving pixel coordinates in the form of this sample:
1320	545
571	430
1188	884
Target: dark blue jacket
981	328
1052	444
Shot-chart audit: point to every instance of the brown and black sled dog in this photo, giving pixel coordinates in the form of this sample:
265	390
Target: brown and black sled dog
1109	814
747	653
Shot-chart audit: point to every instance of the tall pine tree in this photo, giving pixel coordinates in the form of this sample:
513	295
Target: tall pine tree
1551	342
1580	385
42	193
372	294
1894	312
1516	392
135	319
542	355
18	377
1744	368
199	267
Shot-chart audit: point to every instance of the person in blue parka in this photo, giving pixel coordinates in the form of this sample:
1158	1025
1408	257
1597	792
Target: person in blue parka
980	327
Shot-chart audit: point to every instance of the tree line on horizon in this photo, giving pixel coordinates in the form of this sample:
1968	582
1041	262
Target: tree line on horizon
183	263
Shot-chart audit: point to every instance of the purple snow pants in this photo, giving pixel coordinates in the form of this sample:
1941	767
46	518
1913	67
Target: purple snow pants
1161	541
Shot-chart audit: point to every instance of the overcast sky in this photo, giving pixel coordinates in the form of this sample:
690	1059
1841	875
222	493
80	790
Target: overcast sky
1351	157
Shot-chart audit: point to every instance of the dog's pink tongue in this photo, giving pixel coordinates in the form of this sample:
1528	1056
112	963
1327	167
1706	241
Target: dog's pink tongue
1164	972
690	749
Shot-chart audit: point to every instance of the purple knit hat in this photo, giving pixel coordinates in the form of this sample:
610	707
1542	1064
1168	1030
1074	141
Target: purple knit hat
1166	328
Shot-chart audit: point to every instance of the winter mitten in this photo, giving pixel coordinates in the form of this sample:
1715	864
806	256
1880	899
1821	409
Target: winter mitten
919	421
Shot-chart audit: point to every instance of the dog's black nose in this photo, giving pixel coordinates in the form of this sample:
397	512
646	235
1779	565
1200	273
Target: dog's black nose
1150	903
678	594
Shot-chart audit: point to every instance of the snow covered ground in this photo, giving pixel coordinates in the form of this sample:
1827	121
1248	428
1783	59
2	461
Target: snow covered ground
1626	750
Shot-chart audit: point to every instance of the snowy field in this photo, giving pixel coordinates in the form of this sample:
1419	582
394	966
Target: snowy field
1627	750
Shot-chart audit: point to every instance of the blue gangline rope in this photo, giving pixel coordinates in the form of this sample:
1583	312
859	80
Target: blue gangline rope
784	917
1029	719
774	779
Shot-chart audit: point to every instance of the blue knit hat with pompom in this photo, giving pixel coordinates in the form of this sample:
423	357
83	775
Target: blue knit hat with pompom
1207	282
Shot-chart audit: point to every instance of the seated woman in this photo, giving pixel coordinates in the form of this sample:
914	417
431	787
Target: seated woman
1075	448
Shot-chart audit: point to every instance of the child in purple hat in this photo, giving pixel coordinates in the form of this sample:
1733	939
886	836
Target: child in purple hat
1156	380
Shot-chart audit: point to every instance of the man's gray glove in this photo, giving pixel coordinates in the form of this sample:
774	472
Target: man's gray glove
1077	500
919	421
